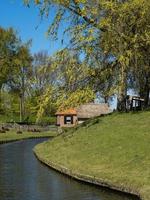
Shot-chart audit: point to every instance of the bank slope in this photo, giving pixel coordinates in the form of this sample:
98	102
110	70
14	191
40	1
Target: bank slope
112	150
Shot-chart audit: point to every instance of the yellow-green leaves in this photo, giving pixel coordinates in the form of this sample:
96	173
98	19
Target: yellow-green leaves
108	33
45	100
77	98
37	1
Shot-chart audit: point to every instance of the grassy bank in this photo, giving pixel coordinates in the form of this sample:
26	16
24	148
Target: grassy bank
13	136
114	150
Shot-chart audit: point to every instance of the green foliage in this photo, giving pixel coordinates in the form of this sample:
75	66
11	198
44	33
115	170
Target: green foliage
45	100
126	38
76	98
68	88
15	67
114	36
47	120
8	47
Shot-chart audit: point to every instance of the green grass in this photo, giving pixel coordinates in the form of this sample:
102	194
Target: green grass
13	136
113	148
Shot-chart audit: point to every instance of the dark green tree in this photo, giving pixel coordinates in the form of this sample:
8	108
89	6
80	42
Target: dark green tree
8	49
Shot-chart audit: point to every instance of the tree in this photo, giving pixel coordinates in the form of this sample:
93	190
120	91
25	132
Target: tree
116	30
19	81
127	38
41	78
8	49
70	83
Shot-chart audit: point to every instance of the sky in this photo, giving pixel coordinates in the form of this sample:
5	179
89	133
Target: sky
29	25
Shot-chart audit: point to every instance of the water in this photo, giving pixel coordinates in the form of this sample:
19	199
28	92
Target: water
23	177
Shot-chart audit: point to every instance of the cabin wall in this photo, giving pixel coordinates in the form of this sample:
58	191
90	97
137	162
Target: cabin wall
61	120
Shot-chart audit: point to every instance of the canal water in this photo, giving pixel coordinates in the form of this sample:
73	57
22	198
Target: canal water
23	177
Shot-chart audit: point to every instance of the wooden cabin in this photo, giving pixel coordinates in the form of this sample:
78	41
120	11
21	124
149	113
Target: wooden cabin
67	118
72	117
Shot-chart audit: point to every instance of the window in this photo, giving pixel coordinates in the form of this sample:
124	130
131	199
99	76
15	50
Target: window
68	120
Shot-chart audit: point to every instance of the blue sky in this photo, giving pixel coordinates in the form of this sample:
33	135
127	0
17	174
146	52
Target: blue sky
25	20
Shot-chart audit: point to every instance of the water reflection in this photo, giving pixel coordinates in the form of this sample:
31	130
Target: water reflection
22	177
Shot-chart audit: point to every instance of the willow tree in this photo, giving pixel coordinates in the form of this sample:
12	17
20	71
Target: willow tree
127	38
70	84
83	25
115	30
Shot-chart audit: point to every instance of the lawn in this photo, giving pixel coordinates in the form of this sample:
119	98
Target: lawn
13	136
114	149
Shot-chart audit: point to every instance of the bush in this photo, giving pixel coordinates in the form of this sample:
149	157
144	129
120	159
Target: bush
47	121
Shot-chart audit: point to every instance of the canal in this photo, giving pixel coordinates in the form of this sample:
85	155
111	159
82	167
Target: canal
23	177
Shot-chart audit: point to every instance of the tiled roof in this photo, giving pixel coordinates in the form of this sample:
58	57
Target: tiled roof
88	110
92	110
70	111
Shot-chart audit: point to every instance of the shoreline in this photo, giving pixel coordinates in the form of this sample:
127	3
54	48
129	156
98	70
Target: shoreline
86	178
25	138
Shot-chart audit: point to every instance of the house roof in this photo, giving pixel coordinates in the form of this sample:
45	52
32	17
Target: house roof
88	110
92	110
70	111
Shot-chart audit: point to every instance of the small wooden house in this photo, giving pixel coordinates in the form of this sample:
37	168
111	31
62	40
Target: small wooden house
72	117
67	118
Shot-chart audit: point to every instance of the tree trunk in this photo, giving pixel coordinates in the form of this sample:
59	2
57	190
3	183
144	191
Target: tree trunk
1	109
121	103
22	110
145	95
106	99
22	97
121	99
145	92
